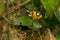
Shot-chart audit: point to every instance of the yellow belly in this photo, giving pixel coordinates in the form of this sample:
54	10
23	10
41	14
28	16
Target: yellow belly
34	15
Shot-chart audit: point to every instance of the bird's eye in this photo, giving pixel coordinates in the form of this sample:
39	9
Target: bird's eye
38	14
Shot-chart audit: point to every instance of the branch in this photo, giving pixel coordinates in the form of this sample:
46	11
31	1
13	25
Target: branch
20	6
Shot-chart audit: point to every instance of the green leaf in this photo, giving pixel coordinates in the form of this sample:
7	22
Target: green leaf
57	14
45	22
50	23
36	25
2	9
26	21
50	6
58	37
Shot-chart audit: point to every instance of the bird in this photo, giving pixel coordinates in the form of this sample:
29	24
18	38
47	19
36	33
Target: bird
35	15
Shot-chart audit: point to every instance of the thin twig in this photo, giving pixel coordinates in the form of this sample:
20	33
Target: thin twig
25	2
7	12
20	6
6	19
40	37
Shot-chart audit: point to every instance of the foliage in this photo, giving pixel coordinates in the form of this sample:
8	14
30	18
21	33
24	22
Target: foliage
58	37
29	5
50	6
50	23
27	21
57	14
11	1
2	8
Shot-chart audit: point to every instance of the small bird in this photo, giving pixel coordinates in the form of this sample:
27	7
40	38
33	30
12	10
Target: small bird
35	14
